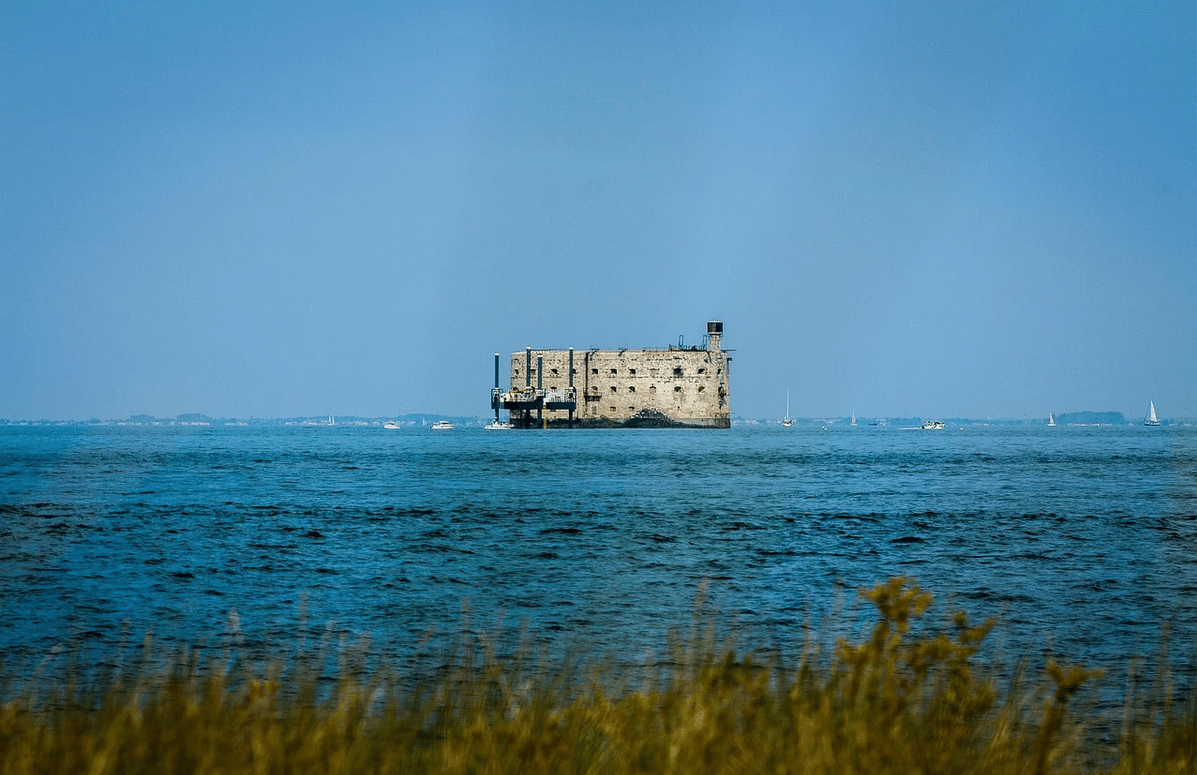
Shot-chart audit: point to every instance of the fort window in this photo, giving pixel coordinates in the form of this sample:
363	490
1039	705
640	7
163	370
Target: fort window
631	388
614	389
631	371
677	388
594	371
701	388
613	371
554	372
652	389
677	371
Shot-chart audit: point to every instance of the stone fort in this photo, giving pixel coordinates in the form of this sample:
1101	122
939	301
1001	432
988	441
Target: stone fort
672	387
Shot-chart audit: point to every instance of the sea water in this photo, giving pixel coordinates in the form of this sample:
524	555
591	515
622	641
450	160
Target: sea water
1084	539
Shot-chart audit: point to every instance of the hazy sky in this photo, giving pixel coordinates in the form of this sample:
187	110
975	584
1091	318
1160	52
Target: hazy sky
261	209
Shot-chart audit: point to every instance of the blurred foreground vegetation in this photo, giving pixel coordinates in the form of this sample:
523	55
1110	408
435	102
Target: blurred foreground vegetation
905	697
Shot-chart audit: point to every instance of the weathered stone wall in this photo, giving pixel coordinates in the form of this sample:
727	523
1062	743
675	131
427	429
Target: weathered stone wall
688	386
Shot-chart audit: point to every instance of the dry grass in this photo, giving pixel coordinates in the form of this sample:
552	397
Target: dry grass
903	698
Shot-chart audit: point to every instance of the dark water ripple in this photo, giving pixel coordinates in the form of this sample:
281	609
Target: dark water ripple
1084	537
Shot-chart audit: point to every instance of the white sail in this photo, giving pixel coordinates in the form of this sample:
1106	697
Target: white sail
1151	419
1051	420
787	421
854	417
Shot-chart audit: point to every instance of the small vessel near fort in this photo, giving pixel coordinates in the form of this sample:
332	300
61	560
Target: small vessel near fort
499	426
930	425
1150	418
442	425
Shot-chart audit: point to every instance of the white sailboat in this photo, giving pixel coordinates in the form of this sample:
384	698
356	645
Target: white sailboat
853	418
787	421
1051	420
1151	419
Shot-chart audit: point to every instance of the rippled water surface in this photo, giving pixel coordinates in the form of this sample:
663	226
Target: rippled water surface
1086	536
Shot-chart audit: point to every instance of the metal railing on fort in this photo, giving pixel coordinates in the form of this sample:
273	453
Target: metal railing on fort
535	397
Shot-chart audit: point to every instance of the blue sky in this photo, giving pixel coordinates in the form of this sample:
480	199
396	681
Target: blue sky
262	209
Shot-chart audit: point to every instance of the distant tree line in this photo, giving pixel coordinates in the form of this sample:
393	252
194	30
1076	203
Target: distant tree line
1091	418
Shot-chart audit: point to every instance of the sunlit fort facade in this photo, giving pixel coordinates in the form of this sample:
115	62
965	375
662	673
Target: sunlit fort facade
679	386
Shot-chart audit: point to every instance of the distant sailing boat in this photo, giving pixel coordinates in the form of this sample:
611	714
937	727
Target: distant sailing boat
854	418
1051	420
1151	419
787	421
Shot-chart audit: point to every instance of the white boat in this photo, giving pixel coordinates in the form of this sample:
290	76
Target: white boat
1151	419
442	425
391	425
1051	420
499	426
853	419
787	421
932	425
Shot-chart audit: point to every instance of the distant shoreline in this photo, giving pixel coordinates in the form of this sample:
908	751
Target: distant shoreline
1073	419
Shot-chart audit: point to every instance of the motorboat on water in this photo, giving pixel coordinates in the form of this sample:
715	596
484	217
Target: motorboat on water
391	425
442	425
931	425
499	426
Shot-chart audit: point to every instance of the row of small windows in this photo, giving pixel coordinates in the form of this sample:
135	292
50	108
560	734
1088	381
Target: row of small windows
678	371
652	389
